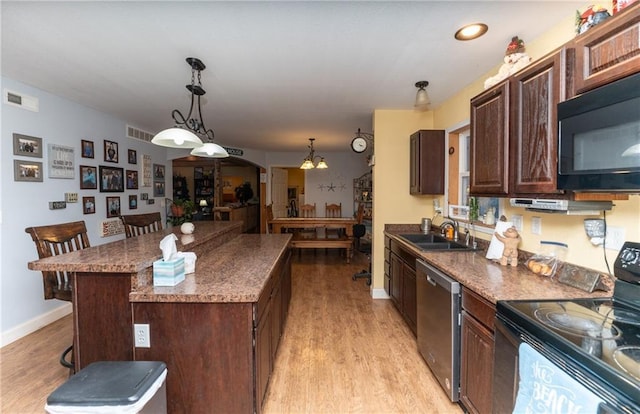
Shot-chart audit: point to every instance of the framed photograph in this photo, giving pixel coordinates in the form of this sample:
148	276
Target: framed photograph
87	149
132	180
110	151
144	196
27	171
111	179
146	170
27	146
89	205
197	172
113	207
61	161
133	202
88	177
158	189
158	172
133	157
151	201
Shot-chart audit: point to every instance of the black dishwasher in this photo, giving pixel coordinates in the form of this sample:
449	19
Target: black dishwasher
438	329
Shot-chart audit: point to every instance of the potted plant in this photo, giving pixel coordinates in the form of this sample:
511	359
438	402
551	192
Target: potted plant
244	192
181	211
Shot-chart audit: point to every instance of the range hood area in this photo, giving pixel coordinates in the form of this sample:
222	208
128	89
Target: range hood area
569	207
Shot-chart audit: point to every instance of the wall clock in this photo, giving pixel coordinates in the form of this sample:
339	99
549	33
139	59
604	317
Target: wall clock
359	144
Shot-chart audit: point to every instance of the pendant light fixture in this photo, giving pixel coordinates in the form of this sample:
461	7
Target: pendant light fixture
187	130
308	164
422	98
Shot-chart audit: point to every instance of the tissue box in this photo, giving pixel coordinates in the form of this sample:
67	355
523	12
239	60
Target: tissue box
168	273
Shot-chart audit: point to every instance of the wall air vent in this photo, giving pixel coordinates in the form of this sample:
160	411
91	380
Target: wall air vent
21	100
136	133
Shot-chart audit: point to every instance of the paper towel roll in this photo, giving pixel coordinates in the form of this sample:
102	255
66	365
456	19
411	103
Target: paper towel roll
496	247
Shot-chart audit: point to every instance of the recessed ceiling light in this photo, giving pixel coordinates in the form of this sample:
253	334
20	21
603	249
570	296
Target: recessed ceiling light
471	31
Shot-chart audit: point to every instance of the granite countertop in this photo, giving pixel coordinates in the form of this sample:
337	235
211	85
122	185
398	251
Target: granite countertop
491	280
236	271
137	253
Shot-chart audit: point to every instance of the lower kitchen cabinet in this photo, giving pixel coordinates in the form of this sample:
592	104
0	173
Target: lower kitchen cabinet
477	345
403	283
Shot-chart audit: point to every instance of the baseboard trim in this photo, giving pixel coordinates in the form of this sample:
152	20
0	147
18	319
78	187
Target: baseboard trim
379	294
34	324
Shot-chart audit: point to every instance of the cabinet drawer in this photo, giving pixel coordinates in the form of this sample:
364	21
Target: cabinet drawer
480	308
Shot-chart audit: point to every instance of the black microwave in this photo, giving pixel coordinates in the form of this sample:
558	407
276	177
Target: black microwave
599	139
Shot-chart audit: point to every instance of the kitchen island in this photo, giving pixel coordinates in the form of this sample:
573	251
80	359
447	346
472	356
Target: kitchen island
217	331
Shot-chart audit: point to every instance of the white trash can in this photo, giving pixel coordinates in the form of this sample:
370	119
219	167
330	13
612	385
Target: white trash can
113	387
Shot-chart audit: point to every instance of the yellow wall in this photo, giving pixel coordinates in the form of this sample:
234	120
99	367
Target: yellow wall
393	204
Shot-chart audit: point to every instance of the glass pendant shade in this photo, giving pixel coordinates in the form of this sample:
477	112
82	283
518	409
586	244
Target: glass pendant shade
210	150
307	164
422	99
176	138
322	164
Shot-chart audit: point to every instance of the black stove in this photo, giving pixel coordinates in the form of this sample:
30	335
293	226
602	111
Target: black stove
597	340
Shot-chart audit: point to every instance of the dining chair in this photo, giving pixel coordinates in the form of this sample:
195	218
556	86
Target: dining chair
307	210
138	224
53	240
333	211
269	210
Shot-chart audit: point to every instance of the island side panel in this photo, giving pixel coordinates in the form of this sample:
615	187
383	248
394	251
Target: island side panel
102	318
208	349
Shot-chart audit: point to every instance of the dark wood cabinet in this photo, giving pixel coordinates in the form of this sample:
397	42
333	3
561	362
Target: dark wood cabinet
489	161
426	162
477	348
608	51
536	92
403	283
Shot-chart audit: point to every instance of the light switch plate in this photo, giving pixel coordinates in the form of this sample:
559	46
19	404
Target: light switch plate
516	219
536	225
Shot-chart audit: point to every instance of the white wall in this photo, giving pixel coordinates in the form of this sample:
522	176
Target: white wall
333	185
25	204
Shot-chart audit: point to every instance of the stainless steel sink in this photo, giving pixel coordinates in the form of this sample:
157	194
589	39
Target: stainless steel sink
431	241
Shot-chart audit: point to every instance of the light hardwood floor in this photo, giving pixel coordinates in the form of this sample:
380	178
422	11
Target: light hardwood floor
342	352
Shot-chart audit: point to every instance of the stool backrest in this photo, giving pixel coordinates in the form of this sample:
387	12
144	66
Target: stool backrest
333	210
58	239
308	210
138	224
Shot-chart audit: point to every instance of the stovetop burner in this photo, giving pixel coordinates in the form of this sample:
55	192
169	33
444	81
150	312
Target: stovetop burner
583	324
628	359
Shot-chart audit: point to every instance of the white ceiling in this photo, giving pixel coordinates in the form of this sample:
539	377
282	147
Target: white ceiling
277	72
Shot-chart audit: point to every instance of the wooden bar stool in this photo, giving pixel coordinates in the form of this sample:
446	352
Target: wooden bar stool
138	224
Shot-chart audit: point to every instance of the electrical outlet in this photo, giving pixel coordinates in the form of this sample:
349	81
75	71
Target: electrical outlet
615	238
516	219
436	206
142	335
536	225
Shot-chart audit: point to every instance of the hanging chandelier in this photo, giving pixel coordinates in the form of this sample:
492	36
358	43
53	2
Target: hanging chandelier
187	130
308	162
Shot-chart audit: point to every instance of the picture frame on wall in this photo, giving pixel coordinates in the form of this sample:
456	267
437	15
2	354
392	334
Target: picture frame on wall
27	171
111	179
132	156
113	206
88	205
27	146
133	202
158	172
88	177
61	161
158	189
87	149
110	151
132	180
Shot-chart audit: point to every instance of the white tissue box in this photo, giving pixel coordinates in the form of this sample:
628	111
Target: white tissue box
168	273
189	261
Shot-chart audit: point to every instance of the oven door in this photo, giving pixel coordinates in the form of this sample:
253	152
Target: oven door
532	376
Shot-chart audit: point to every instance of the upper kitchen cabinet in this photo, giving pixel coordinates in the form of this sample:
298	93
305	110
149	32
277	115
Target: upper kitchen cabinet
608	51
536	91
427	162
489	142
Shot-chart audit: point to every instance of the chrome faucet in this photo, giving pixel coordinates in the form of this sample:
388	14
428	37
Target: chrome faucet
448	221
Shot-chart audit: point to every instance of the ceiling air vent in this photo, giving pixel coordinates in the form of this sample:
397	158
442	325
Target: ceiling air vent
20	100
136	133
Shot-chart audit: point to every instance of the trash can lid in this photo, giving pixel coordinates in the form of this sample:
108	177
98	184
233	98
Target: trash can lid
108	383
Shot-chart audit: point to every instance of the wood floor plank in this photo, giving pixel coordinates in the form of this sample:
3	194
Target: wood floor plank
341	352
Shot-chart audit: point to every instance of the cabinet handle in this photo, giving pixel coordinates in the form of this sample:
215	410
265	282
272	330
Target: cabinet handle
433	282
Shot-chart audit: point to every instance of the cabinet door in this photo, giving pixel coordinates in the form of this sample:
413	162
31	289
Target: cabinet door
396	281
536	92
263	357
426	162
409	292
489	141
476	366
608	51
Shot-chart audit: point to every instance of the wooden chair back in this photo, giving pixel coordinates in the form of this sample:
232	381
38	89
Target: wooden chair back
58	239
138	224
333	210
269	210
360	214
308	210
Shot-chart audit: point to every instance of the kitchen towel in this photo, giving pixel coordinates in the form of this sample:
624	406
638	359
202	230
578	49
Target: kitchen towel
545	388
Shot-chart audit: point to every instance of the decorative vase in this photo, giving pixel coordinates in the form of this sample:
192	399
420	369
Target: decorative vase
187	228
